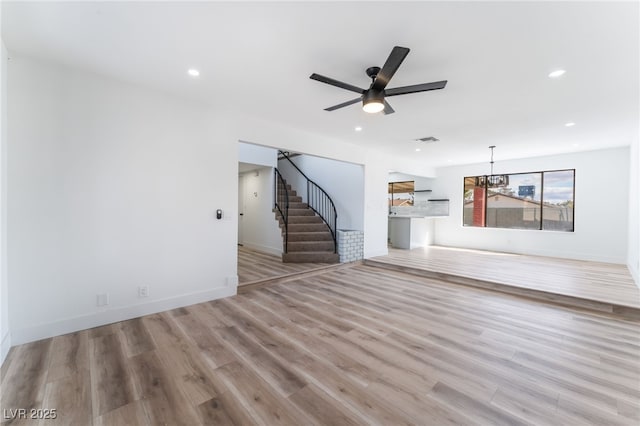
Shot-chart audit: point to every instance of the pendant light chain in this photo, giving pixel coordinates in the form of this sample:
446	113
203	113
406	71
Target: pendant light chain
492	147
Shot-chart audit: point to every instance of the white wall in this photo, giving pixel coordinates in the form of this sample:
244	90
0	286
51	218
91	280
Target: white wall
254	154
633	261
601	209
344	182
419	184
419	181
260	228
376	166
5	335
112	186
117	186
376	204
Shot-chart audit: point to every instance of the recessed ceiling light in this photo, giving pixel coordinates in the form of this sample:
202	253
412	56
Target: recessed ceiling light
358	129
570	124
418	150
556	73
576	144
193	72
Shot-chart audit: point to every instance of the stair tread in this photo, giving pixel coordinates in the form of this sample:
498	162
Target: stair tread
311	246
309	232
306	243
311	252
317	225
311	257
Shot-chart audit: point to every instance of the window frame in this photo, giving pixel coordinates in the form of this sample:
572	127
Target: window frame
392	192
541	202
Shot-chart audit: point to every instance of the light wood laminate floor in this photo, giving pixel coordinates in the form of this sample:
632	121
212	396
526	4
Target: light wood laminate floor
358	345
257	266
596	281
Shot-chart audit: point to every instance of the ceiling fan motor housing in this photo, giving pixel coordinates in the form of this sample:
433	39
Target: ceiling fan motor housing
373	96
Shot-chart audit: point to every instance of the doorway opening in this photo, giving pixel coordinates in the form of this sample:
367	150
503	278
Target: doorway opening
261	237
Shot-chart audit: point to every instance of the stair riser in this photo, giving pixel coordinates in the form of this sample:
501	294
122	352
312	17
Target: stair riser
296	209
300	212
287	187
308	227
301	246
310	257
298	205
304	219
300	220
309	236
293	201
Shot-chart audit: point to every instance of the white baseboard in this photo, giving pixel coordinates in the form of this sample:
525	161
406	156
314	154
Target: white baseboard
5	345
263	249
70	325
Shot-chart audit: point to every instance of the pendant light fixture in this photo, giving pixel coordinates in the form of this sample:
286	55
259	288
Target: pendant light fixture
492	181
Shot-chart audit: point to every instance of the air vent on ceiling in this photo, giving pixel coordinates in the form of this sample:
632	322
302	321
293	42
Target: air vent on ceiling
428	139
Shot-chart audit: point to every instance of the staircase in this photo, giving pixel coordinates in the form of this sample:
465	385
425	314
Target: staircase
309	238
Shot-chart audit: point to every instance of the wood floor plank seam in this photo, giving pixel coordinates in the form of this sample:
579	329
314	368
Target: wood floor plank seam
555	323
453	373
353	345
330	392
327	390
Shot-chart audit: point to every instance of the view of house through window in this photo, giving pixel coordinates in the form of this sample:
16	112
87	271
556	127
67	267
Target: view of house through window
540	200
401	193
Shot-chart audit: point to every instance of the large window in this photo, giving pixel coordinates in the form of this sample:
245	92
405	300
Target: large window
540	200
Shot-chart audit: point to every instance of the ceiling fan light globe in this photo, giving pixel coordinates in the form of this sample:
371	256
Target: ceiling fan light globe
373	101
373	106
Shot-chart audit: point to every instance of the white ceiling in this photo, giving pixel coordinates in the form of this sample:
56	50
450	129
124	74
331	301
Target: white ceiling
257	57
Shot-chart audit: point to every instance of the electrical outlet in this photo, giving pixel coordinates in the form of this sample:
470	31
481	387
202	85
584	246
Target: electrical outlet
102	299
143	291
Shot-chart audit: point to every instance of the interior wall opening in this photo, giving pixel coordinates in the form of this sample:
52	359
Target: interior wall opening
285	223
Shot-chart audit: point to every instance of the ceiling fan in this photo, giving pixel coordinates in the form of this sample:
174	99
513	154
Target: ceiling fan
373	98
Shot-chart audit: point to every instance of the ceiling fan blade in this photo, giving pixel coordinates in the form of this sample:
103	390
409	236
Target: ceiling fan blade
336	83
390	67
387	109
344	104
416	88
